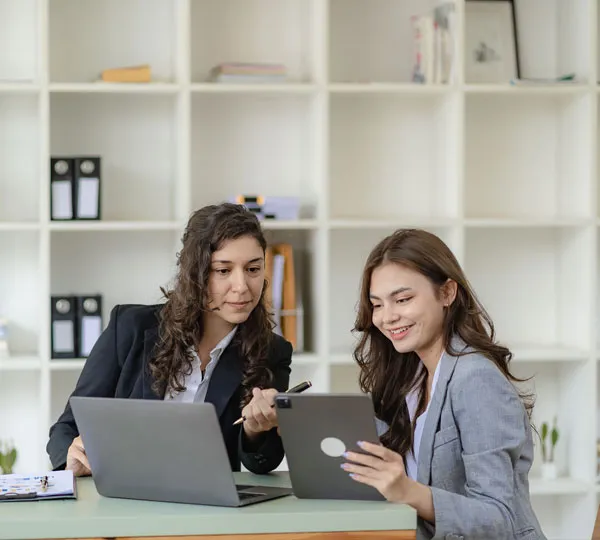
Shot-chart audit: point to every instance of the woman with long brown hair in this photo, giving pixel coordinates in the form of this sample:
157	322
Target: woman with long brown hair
456	439
212	340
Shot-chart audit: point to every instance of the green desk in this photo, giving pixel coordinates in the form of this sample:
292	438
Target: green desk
95	517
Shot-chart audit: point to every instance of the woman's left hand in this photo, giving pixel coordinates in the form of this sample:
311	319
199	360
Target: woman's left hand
383	469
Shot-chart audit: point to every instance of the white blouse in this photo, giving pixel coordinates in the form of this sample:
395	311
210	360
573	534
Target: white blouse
412	402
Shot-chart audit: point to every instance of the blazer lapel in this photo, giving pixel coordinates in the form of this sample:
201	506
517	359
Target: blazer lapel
225	379
447	365
150	338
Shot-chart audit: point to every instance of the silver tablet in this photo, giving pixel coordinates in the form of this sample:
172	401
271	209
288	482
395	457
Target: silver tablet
316	429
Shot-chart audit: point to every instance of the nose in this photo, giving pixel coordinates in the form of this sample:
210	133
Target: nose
389	315
239	284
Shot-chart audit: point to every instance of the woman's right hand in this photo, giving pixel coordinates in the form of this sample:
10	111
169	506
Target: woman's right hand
77	461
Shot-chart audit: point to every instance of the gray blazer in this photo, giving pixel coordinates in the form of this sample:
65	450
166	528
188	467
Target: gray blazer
476	452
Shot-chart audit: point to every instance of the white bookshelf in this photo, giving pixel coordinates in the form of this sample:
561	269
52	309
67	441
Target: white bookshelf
506	175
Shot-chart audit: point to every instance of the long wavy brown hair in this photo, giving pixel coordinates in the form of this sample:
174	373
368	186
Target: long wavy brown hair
389	375
182	315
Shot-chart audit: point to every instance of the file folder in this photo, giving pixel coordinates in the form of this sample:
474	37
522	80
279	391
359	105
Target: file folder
63	333
89	323
87	188
61	188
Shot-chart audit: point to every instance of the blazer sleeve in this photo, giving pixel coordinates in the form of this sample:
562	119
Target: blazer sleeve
493	428
98	378
269	452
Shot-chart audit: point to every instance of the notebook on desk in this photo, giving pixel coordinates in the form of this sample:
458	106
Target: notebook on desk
37	487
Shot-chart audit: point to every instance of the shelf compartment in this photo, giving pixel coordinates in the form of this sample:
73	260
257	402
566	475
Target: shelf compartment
20	290
23	425
19	158
87	37
375	137
349	250
18	41
125	267
372	41
135	136
526	280
524	157
228	159
553	39
304	244
238	31
557	387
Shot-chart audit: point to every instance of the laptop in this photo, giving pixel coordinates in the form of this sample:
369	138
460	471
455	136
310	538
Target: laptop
161	451
316	429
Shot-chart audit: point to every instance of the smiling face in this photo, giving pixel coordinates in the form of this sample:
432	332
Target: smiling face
236	279
407	308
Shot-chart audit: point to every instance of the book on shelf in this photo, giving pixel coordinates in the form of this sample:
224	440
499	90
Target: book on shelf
127	74
434	37
248	72
283	294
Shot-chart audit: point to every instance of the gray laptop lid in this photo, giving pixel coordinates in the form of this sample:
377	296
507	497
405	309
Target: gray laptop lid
158	450
316	429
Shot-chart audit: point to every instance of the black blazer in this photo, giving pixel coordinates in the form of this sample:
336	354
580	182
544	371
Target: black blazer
118	367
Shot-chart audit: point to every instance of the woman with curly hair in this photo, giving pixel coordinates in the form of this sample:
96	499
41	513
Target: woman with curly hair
456	440
212	340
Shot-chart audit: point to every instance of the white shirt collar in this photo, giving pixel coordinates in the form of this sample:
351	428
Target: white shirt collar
222	345
412	398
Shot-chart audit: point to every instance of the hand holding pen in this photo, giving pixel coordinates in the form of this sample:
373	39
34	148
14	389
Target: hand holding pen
259	415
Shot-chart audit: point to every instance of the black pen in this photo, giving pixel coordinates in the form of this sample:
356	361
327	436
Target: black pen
305	385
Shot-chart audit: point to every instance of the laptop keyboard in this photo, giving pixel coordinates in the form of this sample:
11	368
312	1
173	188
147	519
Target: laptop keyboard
245	495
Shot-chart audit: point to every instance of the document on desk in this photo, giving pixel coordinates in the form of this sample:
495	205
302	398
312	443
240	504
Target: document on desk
42	486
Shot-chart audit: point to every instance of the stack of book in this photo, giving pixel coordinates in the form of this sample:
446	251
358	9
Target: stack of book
434	37
248	73
284	297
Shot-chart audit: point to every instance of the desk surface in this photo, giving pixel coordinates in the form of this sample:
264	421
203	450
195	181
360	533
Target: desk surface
94	516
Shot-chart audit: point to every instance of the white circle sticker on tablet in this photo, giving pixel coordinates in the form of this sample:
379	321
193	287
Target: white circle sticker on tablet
332	447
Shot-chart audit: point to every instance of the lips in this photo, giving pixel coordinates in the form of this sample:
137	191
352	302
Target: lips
400	332
238	304
400	329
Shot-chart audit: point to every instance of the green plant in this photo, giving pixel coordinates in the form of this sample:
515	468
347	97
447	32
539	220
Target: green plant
554	436
553	439
544	435
8	458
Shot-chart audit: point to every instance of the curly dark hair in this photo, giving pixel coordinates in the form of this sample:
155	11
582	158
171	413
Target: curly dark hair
389	375
181	317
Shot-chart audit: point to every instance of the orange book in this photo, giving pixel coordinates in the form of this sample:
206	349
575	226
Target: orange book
288	315
131	74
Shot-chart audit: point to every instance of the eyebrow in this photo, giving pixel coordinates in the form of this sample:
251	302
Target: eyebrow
393	293
231	262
